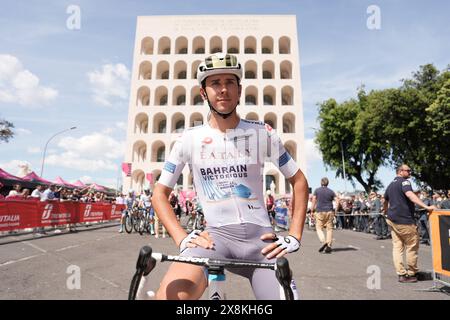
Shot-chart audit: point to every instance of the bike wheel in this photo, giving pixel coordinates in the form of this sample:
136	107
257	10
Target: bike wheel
128	224
137	223
142	226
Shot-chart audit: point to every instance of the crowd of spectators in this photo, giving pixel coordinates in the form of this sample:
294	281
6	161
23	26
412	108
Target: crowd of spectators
363	212
56	193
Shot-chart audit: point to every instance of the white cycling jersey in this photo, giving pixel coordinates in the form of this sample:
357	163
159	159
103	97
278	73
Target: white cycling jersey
227	169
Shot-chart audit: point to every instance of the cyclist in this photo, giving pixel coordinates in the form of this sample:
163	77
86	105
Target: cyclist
145	203
130	200
270	205
226	156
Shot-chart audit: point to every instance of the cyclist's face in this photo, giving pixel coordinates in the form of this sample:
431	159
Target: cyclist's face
223	91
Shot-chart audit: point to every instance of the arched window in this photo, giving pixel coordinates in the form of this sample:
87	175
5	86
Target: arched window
198	45
215	44
250	70
267	45
181	45
250	45
164	45
233	45
147	45
284	45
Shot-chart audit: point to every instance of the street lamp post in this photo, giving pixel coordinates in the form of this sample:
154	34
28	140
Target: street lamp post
45	149
343	167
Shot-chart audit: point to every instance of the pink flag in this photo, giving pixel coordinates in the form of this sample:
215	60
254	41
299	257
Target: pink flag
126	168
149	177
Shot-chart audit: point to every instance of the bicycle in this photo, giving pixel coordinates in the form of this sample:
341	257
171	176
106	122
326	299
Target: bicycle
145	221
146	262
132	220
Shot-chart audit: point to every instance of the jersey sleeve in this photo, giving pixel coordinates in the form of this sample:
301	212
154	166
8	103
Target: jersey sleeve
406	186
278	155
174	165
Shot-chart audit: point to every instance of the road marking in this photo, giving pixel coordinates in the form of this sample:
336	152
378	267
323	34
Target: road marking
34	246
20	260
66	248
357	248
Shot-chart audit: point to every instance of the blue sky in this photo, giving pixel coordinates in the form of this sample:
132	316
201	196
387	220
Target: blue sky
53	78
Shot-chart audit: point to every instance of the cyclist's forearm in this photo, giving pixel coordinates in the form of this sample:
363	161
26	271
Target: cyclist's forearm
299	205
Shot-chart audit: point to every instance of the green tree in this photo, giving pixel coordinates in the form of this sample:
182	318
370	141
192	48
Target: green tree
343	129
410	124
6	132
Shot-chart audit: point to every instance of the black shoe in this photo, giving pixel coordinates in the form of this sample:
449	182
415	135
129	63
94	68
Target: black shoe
379	238
407	279
328	249
323	247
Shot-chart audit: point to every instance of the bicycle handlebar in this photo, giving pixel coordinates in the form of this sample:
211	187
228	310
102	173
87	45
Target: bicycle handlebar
147	260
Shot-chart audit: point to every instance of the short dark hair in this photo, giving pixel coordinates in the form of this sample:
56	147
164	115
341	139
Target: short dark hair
324	182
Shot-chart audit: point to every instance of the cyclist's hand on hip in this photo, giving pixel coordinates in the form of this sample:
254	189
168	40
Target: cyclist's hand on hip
195	239
280	246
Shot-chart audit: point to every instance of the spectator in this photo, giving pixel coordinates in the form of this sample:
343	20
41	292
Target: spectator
270	206
322	204
399	205
17	190
173	200
423	219
37	193
25	194
445	204
2	197
49	193
380	225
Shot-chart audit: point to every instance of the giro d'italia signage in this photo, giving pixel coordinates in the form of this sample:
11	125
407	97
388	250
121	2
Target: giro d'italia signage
22	214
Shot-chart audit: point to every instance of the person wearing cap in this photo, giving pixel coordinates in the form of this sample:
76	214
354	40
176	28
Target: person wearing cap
226	157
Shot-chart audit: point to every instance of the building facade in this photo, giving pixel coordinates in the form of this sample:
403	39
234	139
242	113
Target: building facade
165	96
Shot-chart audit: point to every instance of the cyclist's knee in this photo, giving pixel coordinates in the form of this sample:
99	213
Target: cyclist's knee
182	283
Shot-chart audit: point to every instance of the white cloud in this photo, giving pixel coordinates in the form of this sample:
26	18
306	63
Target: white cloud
110	83
121	125
34	150
312	150
14	166
23	131
86	179
19	85
95	152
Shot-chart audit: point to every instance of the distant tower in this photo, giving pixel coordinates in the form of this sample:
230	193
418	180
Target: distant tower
165	96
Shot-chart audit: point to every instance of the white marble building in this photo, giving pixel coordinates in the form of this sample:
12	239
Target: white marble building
165	96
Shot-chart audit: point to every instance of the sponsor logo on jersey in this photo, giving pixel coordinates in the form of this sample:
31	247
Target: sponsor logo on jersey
170	167
406	183
207	140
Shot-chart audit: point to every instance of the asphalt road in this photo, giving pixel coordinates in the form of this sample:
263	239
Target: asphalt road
46	268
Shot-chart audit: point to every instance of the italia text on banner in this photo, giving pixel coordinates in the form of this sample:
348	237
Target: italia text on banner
16	215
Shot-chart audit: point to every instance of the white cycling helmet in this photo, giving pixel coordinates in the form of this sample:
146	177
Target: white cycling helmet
219	63
131	191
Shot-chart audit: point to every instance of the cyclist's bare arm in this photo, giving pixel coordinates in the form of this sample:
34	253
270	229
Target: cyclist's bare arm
299	206
168	218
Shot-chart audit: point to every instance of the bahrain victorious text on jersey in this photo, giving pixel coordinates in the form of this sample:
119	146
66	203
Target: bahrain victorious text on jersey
227	169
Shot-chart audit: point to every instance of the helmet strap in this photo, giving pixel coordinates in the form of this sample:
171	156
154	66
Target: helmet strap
221	114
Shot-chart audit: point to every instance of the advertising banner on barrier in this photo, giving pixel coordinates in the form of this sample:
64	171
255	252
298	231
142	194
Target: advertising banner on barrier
440	237
23	214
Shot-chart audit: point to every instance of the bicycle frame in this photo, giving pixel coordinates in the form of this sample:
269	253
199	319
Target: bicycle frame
216	276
